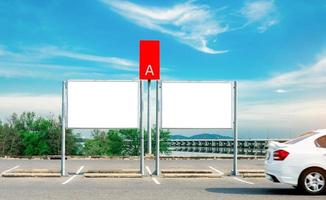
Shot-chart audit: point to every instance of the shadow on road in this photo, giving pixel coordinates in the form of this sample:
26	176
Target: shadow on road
256	191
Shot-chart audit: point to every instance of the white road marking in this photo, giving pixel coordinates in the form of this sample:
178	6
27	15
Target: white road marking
156	181
8	170
67	181
79	170
218	171
149	171
243	181
153	178
77	173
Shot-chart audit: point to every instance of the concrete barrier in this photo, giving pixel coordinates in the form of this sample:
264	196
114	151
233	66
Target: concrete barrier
189	173
252	173
186	171
39	175
120	171
35	171
185	175
112	175
32	173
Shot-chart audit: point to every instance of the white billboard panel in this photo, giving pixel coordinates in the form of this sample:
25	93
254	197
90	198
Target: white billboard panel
103	104
197	105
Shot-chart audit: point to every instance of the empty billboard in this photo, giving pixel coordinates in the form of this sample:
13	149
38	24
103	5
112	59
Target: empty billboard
197	105
102	104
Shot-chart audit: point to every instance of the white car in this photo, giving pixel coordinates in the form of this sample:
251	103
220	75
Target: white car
300	162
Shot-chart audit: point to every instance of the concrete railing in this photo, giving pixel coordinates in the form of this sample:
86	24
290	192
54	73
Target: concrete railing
224	146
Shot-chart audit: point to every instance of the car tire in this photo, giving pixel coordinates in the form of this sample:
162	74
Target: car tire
313	181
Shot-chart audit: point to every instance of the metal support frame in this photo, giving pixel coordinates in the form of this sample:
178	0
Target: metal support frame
149	131
63	129
142	159
158	128
235	132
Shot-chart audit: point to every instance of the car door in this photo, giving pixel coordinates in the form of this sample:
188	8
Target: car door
321	149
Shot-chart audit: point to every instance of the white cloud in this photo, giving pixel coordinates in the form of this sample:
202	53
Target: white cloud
37	56
280	91
257	10
306	109
41	104
191	24
262	12
301	106
308	78
282	119
48	71
266	25
41	63
114	62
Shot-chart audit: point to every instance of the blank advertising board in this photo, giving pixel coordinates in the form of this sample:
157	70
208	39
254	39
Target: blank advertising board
197	105
102	104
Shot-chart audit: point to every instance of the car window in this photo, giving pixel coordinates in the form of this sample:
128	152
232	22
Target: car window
301	137
321	142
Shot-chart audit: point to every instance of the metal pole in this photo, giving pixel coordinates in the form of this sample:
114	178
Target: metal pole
63	130
235	132
149	117
157	161
142	162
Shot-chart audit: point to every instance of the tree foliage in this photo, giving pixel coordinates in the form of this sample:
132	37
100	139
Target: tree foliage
123	142
28	135
31	135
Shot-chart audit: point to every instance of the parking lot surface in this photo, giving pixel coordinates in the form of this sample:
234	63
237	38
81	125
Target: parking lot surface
150	187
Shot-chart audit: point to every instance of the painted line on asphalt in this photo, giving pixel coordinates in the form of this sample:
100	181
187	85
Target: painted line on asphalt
218	171
77	173
67	181
8	170
153	178
149	170
80	169
156	181
243	181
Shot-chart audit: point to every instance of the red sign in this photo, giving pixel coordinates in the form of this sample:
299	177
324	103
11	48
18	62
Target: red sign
149	60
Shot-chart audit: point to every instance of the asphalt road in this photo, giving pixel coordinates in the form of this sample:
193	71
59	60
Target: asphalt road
78	187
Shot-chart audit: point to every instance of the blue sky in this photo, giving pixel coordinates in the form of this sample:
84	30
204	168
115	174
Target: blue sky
275	49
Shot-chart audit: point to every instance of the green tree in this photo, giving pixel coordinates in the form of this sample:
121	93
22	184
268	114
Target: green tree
28	134
115	143
97	145
131	145
124	142
10	141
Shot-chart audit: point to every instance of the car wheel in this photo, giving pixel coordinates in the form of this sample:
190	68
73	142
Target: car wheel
313	181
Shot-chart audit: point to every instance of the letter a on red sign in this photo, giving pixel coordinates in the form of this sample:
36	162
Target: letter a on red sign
149	60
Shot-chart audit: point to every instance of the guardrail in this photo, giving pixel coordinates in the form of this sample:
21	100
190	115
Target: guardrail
223	146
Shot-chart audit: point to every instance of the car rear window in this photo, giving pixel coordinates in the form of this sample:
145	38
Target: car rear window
301	137
321	141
